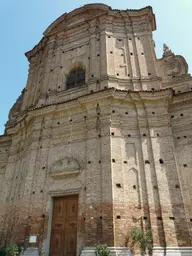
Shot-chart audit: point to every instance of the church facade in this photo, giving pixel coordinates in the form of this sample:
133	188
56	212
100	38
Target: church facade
100	139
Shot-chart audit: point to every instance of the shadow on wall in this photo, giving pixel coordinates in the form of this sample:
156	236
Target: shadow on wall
178	219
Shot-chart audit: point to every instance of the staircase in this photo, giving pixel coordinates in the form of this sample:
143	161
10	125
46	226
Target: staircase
30	251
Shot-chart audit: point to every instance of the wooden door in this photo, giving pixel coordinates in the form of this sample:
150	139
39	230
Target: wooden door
64	226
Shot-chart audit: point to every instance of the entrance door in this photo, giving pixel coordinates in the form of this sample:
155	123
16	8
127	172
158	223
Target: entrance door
64	226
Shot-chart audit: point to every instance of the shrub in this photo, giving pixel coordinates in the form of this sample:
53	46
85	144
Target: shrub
102	250
10	250
139	239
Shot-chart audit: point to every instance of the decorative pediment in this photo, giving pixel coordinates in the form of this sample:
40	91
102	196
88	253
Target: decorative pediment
85	15
65	166
77	16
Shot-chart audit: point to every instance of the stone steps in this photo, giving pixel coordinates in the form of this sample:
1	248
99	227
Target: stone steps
30	252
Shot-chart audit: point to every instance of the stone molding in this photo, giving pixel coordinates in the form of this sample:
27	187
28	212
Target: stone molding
172	251
66	192
64	167
114	251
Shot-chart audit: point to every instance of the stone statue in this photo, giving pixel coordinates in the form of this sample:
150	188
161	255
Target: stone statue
166	51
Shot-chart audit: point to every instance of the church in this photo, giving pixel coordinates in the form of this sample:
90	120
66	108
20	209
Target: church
100	139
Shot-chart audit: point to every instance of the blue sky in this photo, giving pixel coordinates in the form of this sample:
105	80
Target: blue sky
23	22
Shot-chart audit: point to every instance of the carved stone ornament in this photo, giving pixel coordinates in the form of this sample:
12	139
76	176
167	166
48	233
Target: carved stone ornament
65	166
167	51
137	215
174	65
171	65
15	110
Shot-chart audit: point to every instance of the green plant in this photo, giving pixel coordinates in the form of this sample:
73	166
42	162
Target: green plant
12	250
102	250
137	238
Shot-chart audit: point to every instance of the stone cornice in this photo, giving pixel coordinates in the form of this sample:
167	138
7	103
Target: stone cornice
89	98
109	94
182	97
36	48
5	138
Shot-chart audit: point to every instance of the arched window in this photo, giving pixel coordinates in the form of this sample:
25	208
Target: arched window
75	78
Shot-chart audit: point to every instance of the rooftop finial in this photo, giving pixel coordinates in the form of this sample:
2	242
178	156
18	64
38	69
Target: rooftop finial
166	51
